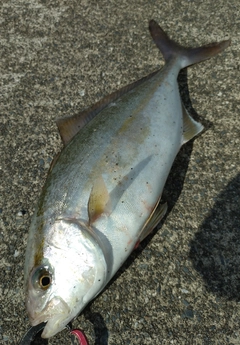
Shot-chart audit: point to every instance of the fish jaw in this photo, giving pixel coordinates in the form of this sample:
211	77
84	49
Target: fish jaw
56	313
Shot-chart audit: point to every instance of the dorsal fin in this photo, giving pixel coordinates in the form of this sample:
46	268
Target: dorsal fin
68	127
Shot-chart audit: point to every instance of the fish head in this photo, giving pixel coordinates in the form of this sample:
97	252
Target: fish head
70	271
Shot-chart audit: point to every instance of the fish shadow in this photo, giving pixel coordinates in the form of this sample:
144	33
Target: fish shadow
171	193
100	328
215	250
38	340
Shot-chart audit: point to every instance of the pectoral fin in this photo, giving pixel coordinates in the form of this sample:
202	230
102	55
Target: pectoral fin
157	214
98	202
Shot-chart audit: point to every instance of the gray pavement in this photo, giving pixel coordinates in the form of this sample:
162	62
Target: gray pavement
182	286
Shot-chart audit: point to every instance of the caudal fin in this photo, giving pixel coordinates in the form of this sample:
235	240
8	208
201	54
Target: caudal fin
186	56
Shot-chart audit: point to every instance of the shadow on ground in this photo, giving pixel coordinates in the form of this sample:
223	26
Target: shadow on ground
215	250
100	328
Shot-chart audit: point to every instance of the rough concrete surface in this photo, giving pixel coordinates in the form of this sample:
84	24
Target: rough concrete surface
182	285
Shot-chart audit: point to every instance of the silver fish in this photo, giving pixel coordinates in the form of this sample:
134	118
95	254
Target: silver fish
102	194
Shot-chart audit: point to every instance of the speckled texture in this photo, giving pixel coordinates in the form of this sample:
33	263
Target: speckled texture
182	285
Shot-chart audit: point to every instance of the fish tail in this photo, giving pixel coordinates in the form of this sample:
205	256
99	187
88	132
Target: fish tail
186	56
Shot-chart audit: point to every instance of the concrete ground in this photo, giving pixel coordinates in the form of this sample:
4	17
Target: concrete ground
182	285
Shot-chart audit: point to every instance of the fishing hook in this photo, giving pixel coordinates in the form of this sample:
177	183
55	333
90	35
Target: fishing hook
33	336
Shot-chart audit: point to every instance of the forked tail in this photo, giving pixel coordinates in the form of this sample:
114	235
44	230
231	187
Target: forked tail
185	56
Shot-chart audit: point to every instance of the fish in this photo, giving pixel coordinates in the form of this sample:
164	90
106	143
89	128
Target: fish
102	195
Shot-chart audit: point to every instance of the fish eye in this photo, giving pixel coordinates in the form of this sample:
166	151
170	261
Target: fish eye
42	278
45	281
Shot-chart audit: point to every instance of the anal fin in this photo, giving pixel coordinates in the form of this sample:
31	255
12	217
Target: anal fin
190	127
157	214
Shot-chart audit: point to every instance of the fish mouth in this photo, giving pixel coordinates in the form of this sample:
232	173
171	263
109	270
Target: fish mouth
56	314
